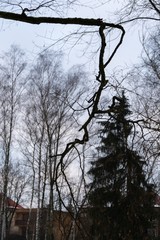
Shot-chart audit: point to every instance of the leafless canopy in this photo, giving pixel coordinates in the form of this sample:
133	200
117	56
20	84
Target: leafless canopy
28	14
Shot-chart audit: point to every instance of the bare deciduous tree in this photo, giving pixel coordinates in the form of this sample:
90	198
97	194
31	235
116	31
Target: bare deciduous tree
55	159
11	85
51	119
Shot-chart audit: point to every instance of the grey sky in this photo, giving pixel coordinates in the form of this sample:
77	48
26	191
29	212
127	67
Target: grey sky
35	38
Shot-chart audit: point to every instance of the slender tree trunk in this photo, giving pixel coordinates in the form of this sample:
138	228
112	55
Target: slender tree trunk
32	196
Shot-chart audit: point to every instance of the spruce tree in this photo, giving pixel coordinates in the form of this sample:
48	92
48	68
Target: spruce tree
121	199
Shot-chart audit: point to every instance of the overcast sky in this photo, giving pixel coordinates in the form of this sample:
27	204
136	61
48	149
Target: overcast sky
35	38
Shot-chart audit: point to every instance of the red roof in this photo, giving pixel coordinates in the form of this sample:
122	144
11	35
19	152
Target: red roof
11	203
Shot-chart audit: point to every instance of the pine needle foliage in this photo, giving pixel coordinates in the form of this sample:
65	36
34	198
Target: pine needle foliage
121	199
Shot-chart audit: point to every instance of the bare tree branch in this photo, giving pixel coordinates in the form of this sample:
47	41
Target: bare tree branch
154	6
52	20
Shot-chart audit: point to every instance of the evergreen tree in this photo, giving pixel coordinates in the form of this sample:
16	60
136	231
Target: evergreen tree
121	199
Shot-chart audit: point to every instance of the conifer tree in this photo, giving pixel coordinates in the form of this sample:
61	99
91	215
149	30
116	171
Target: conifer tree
121	199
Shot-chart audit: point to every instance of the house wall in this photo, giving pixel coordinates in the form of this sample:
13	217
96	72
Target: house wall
61	223
13	228
64	226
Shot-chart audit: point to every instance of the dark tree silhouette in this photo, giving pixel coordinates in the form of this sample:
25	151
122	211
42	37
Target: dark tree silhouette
121	199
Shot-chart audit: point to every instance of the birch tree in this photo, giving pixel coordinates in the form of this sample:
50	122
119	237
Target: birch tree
11	78
26	11
50	119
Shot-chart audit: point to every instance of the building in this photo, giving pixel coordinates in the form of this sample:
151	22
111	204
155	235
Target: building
24	222
64	226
